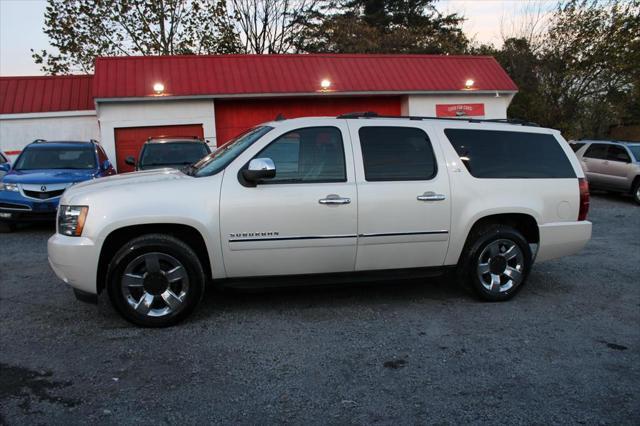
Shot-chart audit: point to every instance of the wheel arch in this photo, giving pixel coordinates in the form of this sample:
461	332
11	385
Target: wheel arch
119	236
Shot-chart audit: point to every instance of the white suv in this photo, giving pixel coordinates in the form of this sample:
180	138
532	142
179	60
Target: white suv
326	199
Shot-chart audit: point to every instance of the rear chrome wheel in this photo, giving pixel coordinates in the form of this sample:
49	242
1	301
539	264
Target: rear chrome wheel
155	280
500	266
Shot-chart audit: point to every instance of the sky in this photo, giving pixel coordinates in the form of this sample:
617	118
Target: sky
21	23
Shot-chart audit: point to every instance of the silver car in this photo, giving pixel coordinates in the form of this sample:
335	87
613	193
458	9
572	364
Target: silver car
611	165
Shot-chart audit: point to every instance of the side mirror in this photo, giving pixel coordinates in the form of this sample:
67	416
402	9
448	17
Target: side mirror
106	165
130	161
259	168
5	167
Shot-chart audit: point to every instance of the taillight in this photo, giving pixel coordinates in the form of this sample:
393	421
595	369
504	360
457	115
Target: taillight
584	198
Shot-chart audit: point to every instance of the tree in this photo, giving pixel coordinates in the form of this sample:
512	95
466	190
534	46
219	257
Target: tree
385	26
271	26
80	30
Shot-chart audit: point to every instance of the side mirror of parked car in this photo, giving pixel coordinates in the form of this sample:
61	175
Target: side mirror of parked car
106	165
259	168
5	167
130	161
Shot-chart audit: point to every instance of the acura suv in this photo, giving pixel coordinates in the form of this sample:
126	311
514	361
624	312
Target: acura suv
314	200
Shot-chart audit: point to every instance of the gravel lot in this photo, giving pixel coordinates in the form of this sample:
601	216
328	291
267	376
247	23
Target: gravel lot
566	350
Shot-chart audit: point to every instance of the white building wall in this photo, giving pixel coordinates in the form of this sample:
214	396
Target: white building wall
19	130
113	115
425	105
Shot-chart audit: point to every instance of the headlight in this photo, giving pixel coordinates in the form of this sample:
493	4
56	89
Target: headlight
71	220
10	187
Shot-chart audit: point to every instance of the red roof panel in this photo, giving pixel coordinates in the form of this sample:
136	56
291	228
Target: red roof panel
46	94
134	76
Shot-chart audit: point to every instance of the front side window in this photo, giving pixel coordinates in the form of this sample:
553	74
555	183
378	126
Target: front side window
223	156
396	154
44	157
596	150
617	153
497	154
308	155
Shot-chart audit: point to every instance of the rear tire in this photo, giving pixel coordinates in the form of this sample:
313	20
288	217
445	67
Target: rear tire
155	280
495	262
635	192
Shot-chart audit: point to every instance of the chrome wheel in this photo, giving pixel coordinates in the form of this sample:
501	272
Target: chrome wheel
155	284
500	266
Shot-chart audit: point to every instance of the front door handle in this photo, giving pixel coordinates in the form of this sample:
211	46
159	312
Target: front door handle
431	196
334	199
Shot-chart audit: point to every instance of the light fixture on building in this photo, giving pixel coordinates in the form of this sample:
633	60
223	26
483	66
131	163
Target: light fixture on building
469	84
325	84
158	88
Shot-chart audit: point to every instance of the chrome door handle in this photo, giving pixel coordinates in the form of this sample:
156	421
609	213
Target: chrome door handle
431	196
334	199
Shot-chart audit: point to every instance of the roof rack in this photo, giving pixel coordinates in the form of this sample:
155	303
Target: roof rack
39	140
372	114
172	137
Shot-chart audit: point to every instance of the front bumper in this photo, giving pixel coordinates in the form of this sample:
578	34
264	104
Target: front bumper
75	261
563	239
14	207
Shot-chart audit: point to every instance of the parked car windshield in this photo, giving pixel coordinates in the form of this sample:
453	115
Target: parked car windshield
220	158
635	150
168	153
81	157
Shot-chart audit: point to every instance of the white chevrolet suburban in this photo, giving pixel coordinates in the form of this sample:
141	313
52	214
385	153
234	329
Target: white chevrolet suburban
327	199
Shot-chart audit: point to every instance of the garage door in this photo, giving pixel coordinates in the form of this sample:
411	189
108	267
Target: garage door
236	116
129	140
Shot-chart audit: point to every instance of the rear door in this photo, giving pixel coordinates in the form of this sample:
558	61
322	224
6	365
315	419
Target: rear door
593	163
403	196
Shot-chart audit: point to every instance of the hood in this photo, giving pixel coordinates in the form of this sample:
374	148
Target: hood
125	181
164	166
49	176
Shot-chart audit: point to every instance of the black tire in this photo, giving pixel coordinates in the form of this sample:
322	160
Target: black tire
635	191
160	247
7	227
469	266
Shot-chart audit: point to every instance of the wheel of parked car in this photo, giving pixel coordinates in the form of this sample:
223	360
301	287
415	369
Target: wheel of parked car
636	191
496	262
155	280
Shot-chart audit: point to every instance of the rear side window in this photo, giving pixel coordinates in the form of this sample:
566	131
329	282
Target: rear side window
307	155
510	155
396	154
596	150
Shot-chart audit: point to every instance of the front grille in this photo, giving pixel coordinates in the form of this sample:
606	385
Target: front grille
14	206
43	195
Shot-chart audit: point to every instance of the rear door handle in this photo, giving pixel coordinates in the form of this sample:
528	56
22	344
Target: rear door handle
431	196
334	199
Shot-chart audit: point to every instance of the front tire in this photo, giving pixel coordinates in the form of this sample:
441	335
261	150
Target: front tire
155	280
496	262
635	192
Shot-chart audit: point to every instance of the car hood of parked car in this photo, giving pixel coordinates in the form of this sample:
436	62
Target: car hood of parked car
49	176
128	181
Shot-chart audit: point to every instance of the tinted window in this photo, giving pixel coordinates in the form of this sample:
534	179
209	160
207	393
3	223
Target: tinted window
617	153
314	154
169	153
576	146
44	157
510	155
596	150
396	153
635	149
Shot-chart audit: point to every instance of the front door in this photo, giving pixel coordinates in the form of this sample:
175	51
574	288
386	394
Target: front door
616	168
302	221
403	197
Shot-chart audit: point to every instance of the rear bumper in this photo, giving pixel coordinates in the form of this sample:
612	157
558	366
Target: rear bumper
563	239
75	261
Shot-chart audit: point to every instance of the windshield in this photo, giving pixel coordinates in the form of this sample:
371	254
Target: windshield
82	157
220	158
168	153
635	150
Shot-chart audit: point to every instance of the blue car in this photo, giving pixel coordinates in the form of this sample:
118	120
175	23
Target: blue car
31	189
